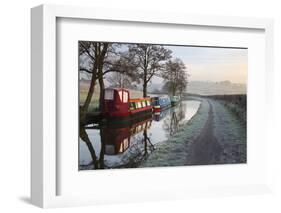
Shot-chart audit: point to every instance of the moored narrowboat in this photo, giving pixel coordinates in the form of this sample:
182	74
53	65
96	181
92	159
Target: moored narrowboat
161	103
140	105
175	100
118	104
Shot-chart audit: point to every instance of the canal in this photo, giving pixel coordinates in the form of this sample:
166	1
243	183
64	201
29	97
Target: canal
129	144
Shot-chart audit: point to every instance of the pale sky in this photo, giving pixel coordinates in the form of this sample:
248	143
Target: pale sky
213	64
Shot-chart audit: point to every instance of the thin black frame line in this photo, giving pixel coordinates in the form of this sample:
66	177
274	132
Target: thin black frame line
176	45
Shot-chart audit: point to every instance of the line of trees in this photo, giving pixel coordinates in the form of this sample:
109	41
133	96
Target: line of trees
129	63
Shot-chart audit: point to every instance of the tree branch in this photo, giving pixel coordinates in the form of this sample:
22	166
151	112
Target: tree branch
87	51
86	70
113	70
150	76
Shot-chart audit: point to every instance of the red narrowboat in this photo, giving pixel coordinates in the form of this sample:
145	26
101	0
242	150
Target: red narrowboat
118	104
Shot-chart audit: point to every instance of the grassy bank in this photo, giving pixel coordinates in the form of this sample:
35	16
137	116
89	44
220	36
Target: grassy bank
174	151
230	132
237	104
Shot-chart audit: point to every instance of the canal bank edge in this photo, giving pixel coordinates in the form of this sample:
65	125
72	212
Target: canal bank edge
173	152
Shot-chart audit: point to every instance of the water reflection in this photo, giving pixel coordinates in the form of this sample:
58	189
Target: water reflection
117	139
98	163
172	123
130	143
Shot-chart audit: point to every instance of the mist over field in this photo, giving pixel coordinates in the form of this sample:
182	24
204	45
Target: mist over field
193	87
216	88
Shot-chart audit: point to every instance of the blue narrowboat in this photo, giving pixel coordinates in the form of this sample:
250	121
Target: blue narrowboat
161	103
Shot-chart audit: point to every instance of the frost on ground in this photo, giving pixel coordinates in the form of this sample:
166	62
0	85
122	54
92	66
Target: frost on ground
174	151
215	135
230	132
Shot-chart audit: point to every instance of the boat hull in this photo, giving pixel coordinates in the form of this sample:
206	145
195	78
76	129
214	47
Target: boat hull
159	108
130	117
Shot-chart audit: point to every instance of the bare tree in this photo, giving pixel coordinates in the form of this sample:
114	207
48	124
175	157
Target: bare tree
90	67
176	76
149	60
98	59
117	79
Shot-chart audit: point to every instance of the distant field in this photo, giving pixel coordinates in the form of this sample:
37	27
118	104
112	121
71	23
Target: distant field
215	88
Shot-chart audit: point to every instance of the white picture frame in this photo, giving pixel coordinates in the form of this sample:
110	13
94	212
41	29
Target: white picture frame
44	153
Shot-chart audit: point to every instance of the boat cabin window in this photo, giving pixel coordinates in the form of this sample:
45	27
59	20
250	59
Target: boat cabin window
109	94
139	104
148	103
143	103
132	105
123	95
120	96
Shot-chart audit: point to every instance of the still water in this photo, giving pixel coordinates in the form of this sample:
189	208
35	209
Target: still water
129	144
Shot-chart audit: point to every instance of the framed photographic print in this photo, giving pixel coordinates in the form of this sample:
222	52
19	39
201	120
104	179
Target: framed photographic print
152	105
145	112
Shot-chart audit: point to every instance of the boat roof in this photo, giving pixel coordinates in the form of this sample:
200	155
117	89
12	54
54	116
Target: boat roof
157	97
139	99
116	88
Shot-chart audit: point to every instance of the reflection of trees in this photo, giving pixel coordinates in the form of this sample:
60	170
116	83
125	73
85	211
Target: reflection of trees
138	152
174	123
182	110
147	143
98	163
171	123
102	151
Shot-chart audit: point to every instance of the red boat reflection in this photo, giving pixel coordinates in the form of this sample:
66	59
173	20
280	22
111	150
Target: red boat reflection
117	138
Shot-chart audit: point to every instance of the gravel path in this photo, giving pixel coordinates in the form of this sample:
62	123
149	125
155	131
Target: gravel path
205	149
222	139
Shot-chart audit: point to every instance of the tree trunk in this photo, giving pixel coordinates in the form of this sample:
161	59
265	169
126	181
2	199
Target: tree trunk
84	109
102	52
174	89
144	90
91	90
101	100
